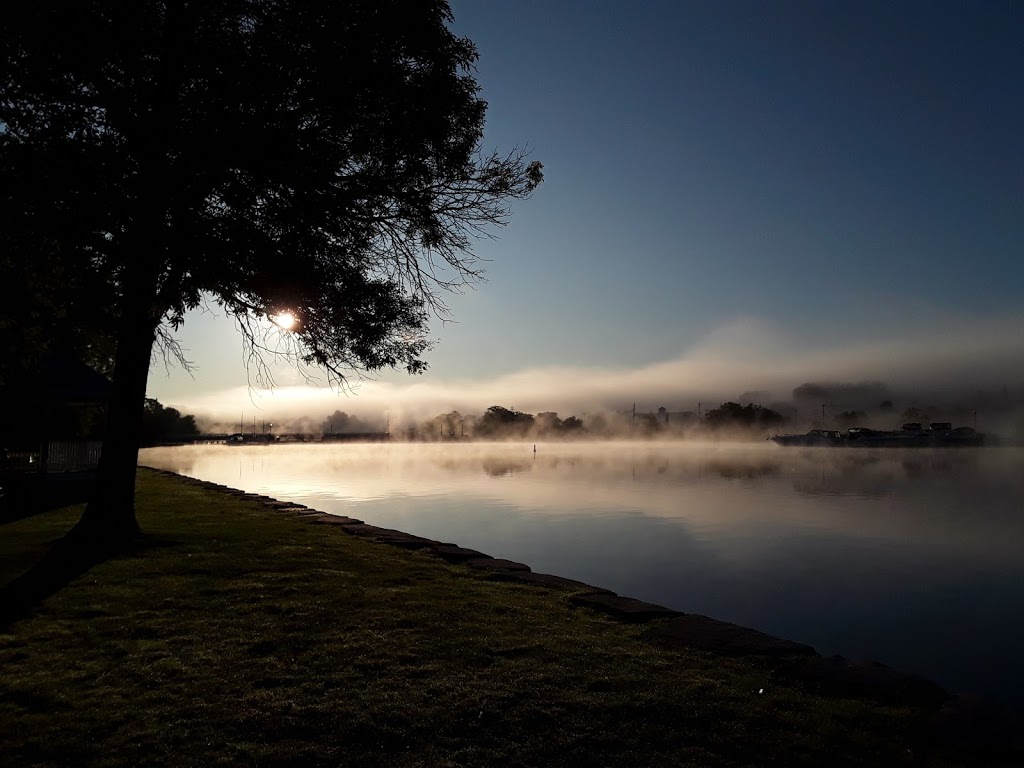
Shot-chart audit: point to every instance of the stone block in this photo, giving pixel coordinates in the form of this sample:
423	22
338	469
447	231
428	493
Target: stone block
406	540
454	554
708	634
624	608
550	581
324	519
497	564
365	530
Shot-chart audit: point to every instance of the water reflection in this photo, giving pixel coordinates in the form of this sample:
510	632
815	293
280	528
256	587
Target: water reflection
911	557
498	467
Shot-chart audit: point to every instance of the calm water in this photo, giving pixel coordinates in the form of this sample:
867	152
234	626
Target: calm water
912	558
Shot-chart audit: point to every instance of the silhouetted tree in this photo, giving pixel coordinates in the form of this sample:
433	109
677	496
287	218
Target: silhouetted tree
597	424
443	426
547	422
735	415
646	423
48	311
454	423
161	424
572	425
340	422
498	421
811	393
320	158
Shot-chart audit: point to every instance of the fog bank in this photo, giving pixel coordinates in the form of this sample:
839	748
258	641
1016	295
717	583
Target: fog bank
746	359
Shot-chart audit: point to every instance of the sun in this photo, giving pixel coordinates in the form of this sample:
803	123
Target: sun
285	320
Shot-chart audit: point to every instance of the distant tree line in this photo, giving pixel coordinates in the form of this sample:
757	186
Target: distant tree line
732	415
341	423
829	405
503	423
498	421
161	424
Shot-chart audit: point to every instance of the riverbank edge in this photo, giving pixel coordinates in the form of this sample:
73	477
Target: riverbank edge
835	675
939	730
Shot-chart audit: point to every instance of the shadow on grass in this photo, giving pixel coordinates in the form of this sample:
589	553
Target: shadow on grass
24	494
68	558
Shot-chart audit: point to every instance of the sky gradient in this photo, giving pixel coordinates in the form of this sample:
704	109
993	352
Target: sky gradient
739	196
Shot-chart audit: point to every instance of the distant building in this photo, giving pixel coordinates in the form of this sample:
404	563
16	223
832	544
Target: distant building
56	417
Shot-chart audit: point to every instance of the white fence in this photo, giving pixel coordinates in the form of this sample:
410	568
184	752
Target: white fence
69	456
62	455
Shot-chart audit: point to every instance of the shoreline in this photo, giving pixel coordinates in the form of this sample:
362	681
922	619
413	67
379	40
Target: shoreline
265	636
835	674
868	557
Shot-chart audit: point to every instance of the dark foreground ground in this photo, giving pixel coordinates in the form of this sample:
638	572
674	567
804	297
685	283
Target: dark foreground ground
239	635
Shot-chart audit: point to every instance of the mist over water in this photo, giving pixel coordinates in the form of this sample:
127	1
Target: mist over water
911	557
947	360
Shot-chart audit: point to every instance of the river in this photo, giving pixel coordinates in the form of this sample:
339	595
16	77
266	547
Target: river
910	557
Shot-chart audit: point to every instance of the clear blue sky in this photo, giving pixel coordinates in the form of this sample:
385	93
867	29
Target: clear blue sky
837	172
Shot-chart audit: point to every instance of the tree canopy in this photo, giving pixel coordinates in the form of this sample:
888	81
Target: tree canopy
324	159
340	422
499	421
735	415
319	158
162	424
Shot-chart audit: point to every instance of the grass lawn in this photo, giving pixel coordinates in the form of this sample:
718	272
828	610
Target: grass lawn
241	637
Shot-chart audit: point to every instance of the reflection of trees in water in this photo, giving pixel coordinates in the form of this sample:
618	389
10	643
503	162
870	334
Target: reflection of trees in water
495	467
916	466
560	462
843	485
742	470
879	473
678	468
455	464
838	472
662	467
857	460
647	466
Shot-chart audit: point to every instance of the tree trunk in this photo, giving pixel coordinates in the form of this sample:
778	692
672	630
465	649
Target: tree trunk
109	518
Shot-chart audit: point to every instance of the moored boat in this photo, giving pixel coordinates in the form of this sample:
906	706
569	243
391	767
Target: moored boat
816	437
938	434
